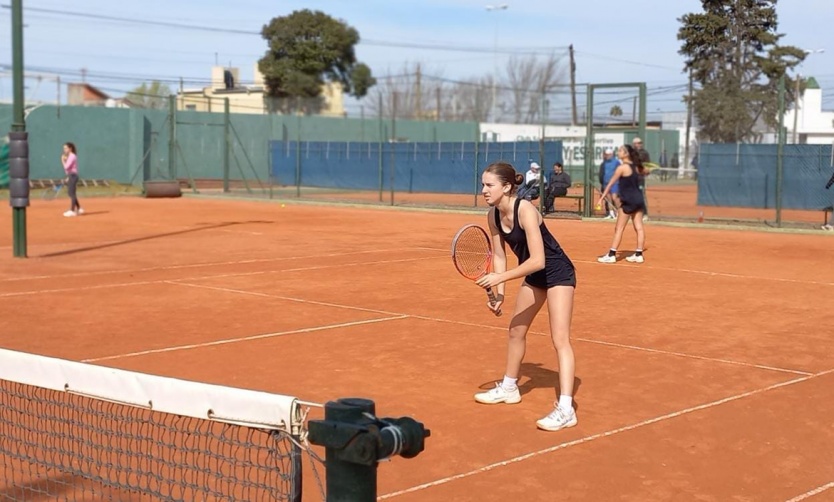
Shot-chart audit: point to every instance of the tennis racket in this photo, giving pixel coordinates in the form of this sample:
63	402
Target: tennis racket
51	193
472	256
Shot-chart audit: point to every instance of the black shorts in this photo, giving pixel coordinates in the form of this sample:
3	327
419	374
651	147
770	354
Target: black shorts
631	208
556	272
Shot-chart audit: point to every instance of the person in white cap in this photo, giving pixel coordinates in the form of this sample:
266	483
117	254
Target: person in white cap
530	189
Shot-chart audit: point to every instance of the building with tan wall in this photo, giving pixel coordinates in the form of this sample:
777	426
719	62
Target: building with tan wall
225	83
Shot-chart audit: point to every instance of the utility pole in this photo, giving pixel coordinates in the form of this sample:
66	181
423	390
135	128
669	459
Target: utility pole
574	117
418	95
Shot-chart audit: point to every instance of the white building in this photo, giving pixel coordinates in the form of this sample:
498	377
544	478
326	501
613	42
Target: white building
572	137
813	125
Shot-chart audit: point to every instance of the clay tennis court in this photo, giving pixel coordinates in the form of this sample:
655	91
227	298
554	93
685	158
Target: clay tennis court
703	374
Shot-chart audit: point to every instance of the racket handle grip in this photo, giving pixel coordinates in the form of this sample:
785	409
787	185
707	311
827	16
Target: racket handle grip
493	301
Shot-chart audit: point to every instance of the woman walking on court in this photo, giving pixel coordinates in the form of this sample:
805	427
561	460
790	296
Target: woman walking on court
70	163
632	203
549	277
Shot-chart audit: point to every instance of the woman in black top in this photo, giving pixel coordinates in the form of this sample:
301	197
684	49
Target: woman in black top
633	205
549	277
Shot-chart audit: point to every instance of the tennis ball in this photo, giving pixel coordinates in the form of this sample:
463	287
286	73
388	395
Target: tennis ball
282	205
598	207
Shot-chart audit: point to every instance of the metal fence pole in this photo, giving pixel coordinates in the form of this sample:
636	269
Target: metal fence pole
19	161
475	163
780	151
172	136
227	143
393	145
589	157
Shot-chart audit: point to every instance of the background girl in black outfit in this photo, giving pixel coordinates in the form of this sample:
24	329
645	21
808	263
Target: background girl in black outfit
632	203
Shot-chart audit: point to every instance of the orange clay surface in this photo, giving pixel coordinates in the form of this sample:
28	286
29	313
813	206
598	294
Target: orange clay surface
705	373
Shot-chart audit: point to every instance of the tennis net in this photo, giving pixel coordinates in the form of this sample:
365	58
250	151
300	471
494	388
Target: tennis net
75	431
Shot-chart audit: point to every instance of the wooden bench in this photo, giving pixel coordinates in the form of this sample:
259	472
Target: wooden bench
578	197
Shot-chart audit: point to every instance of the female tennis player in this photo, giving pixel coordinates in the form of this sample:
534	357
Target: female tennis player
70	162
549	276
632	203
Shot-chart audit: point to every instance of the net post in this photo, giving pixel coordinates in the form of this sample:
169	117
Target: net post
355	440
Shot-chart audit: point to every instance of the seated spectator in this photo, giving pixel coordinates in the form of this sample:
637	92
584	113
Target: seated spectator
558	186
530	189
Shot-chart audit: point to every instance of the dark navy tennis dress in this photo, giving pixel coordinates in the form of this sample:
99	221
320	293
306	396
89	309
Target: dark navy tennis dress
558	269
631	197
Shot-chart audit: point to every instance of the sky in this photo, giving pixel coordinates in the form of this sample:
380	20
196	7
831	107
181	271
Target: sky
614	40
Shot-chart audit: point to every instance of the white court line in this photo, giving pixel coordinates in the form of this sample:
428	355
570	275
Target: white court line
684	270
239	232
214	276
287	298
815	491
241	339
691	356
206	264
630	347
497	328
708	273
318	267
600	435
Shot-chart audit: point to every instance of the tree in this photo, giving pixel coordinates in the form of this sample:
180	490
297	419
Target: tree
306	50
528	81
154	96
416	93
616	111
733	51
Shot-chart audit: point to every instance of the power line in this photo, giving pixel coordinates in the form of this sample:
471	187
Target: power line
620	60
440	46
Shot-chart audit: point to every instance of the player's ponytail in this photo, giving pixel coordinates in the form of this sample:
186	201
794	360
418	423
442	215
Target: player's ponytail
634	157
519	179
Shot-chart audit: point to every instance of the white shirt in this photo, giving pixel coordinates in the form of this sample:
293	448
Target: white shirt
533	176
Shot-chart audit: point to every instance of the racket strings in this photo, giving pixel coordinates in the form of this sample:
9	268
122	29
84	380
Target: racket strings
472	253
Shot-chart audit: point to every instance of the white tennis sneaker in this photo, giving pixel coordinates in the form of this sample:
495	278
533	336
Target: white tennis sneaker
635	258
828	227
80	211
606	258
499	395
69	214
557	420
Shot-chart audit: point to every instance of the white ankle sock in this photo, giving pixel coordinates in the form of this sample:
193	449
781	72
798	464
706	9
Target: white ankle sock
566	403
509	383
